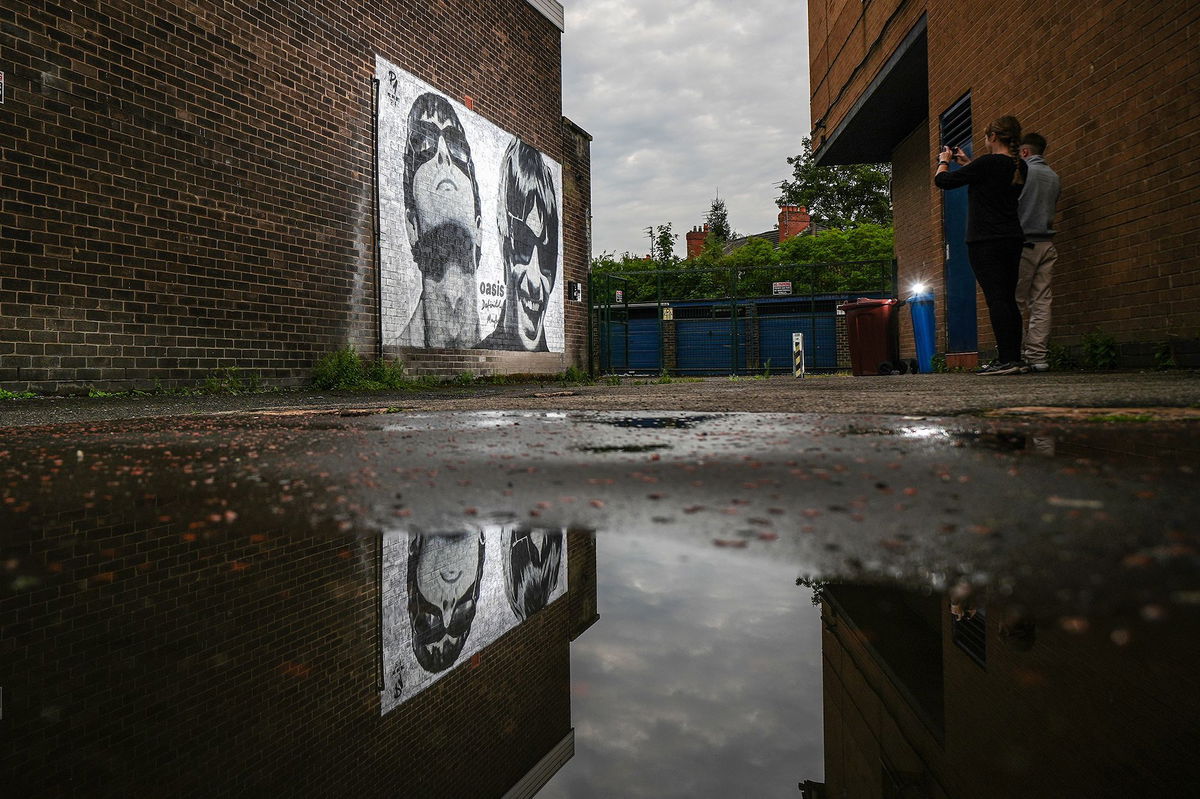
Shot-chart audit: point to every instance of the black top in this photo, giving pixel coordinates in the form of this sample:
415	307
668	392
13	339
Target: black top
991	196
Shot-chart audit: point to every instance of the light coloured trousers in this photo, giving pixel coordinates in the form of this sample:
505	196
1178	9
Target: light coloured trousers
1034	296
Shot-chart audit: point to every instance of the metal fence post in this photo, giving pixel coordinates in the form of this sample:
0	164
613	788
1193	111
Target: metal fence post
733	292
659	302
591	353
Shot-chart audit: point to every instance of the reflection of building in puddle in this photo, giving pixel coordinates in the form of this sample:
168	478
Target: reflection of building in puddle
931	697
184	663
1123	445
1042	445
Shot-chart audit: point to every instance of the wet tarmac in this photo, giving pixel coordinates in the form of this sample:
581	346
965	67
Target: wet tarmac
603	603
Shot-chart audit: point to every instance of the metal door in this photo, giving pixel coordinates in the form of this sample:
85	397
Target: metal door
962	334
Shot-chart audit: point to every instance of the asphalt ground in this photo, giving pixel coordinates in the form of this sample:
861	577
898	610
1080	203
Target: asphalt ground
923	479
956	394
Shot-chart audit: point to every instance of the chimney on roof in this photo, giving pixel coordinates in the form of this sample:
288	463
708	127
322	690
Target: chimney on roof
695	241
793	220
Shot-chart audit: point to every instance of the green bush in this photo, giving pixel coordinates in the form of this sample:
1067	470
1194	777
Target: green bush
229	380
385	374
1099	350
1164	356
1060	358
343	369
575	376
346	370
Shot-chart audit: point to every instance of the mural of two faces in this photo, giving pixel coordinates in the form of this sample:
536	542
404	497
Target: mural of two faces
470	226
447	596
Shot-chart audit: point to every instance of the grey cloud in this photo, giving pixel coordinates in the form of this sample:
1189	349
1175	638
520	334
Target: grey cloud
702	677
682	98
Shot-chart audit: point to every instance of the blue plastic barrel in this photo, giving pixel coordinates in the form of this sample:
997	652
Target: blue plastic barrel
924	329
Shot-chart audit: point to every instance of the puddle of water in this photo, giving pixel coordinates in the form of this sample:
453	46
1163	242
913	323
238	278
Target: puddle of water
204	608
653	422
625	664
627	448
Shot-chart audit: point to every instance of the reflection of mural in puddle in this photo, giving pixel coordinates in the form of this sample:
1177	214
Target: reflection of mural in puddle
627	448
447	596
655	422
999	442
137	645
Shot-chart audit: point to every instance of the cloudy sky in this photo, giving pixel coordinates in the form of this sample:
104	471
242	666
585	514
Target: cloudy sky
685	97
702	676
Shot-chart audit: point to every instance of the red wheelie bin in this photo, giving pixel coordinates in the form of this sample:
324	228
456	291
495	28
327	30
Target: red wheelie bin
873	333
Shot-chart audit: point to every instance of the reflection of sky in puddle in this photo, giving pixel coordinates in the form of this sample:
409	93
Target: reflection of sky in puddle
701	678
473	420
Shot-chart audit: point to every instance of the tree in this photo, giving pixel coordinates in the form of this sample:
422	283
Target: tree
663	249
718	222
839	196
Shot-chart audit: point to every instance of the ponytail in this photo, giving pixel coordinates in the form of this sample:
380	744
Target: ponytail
1017	179
1008	131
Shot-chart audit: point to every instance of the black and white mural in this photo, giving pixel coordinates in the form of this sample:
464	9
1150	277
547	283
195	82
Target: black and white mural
470	226
446	596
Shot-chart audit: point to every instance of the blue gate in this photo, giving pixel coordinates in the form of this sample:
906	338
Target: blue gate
652	322
820	340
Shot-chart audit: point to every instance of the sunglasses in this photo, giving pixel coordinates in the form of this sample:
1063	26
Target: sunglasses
524	241
429	627
423	138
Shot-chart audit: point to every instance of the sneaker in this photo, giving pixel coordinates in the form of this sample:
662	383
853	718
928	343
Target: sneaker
1006	368
987	367
1040	366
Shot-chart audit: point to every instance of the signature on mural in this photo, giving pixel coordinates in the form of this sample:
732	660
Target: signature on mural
393	87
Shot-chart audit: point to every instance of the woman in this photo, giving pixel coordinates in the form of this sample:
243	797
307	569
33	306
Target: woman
994	238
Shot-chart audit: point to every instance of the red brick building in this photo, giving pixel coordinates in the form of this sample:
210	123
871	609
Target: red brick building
187	186
1112	86
793	220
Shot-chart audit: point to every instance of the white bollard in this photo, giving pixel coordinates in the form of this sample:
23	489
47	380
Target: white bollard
797	355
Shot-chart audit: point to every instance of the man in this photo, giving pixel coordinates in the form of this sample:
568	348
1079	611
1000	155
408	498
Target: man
528	220
445	221
1038	256
445	573
531	568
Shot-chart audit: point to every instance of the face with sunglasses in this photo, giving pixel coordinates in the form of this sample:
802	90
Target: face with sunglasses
443	188
531	568
444	573
532	268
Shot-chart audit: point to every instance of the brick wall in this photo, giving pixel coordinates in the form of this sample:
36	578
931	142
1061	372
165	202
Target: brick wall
1072	715
1109	83
188	185
148	655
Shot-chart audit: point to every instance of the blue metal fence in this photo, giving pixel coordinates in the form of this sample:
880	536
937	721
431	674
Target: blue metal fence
638	326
